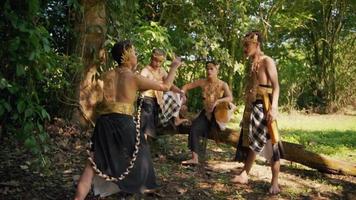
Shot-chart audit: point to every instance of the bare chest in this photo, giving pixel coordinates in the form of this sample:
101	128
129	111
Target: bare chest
261	74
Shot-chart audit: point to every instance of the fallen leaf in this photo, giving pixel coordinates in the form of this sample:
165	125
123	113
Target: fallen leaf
24	167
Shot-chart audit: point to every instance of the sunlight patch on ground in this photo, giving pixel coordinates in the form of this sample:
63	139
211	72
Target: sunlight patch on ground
221	166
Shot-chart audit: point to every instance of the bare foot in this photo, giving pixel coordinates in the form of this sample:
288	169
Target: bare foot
241	179
179	121
274	189
236	170
190	162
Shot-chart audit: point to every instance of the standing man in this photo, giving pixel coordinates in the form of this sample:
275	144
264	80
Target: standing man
262	89
159	107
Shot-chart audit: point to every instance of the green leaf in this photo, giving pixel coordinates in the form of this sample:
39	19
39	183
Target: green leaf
15	116
14	44
44	114
28	112
32	55
13	89
28	128
33	6
7	106
43	137
2	110
21	105
20	70
30	142
4	83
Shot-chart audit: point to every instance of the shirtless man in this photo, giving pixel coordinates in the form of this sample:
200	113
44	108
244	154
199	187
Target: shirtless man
254	137
159	107
215	91
116	140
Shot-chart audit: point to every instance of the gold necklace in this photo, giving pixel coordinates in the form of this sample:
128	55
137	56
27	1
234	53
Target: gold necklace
155	73
256	64
212	92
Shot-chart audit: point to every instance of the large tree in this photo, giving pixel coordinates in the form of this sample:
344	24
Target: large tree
91	29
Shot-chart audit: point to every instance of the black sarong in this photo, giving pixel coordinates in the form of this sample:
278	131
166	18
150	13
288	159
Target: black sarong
201	128
149	116
113	144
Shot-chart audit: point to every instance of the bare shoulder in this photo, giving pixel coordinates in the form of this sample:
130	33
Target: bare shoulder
137	77
223	83
268	62
108	73
145	71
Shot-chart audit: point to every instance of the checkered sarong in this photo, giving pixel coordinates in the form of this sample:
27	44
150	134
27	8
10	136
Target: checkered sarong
258	129
170	107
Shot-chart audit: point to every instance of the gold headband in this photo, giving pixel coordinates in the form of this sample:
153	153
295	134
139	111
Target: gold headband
251	38
159	57
126	55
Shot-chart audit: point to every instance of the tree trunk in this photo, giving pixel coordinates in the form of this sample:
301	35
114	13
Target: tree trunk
91	29
292	152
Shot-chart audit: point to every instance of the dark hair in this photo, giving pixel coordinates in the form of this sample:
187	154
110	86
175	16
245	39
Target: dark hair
119	48
255	32
211	62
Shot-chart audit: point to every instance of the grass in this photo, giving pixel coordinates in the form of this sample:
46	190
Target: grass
332	135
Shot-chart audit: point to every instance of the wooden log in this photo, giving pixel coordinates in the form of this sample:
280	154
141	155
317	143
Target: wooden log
292	152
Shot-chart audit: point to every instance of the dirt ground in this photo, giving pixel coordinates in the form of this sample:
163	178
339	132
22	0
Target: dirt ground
20	177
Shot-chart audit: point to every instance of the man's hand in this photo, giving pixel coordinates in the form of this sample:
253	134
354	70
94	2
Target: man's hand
211	109
182	96
177	62
272	114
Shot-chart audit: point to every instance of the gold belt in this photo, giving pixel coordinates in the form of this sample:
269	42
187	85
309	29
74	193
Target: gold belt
115	107
264	90
149	93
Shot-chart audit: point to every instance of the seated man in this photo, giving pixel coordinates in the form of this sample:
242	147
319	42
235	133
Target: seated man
158	107
215	92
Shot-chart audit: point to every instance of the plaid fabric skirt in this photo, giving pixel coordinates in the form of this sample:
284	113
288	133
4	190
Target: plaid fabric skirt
170	107
259	138
258	130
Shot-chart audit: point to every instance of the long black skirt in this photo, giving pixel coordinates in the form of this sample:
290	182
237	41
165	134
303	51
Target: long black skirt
149	116
201	128
113	144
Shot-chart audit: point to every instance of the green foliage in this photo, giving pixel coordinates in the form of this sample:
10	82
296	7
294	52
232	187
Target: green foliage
31	75
212	30
23	61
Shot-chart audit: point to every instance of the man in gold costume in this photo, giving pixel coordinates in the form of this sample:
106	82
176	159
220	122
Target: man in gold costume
215	91
119	156
258	128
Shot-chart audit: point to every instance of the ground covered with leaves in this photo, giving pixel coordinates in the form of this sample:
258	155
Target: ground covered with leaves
22	178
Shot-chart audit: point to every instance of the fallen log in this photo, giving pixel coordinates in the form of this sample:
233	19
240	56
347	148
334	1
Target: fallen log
292	152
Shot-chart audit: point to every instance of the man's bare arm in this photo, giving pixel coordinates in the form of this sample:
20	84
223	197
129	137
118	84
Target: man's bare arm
176	89
145	84
227	95
192	85
272	74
